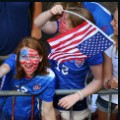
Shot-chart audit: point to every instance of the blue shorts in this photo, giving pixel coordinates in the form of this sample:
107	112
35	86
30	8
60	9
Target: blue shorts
102	105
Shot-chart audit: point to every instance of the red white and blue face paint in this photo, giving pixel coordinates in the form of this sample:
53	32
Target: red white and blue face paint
29	60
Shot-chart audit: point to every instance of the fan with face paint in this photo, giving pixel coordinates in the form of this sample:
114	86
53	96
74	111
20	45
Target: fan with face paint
29	60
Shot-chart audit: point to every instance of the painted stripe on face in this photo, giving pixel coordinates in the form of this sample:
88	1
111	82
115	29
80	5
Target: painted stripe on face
29	55
29	60
23	55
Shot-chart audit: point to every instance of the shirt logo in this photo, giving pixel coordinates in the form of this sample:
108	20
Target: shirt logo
104	28
79	63
36	87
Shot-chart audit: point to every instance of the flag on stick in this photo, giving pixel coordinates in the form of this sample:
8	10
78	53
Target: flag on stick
83	41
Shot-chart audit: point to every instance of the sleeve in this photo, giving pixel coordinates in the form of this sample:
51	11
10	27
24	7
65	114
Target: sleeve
11	61
57	22
97	11
49	92
97	59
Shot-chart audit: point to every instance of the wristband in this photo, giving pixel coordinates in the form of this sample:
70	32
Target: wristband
81	95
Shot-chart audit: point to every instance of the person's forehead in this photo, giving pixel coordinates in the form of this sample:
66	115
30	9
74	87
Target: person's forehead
28	50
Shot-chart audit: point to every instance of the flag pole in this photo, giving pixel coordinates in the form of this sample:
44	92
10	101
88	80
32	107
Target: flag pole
88	22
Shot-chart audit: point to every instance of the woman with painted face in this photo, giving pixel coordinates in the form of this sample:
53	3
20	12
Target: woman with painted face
31	75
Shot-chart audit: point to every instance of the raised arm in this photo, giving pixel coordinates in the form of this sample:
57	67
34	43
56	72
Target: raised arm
37	8
43	20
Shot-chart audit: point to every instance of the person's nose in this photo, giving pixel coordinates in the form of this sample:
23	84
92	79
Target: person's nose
28	61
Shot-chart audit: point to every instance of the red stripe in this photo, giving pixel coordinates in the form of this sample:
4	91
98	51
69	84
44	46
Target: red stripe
66	33
32	107
33	53
74	42
32	50
13	108
64	56
60	52
73	56
56	55
75	35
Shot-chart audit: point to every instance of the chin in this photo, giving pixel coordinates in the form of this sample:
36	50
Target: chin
30	74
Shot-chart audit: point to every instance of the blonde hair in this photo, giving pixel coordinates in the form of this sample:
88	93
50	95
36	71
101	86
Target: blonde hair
115	37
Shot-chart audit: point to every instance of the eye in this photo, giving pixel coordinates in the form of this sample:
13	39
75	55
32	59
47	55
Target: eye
23	57
32	57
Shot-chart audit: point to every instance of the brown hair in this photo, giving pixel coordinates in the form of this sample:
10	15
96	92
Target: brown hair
77	8
115	37
35	44
75	20
65	6
68	4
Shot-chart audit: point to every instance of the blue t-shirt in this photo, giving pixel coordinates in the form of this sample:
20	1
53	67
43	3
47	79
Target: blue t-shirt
101	16
14	25
72	74
42	86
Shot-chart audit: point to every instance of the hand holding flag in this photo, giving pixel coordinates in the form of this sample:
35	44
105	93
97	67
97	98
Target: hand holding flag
83	41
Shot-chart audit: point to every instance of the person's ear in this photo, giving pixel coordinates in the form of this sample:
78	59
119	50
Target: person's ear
40	59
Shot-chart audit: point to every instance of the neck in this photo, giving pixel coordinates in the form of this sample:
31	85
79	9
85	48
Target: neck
29	76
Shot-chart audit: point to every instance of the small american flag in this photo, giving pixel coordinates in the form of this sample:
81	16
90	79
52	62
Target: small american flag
80	42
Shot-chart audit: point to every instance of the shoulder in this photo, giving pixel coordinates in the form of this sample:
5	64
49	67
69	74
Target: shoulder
96	6
45	78
51	74
94	60
112	47
111	50
11	58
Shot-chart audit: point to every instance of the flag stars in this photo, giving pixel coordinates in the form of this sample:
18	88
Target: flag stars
94	45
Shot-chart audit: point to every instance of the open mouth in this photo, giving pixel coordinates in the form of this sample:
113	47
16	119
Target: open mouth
29	68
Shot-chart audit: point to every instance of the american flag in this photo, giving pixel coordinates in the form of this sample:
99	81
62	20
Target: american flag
80	42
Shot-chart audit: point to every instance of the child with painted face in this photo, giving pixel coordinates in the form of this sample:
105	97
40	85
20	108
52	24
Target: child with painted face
31	75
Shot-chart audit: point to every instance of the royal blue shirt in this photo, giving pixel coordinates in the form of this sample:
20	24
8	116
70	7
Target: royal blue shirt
101	16
42	86
14	25
72	74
